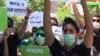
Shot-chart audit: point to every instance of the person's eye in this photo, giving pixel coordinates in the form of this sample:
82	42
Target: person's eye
98	21
71	31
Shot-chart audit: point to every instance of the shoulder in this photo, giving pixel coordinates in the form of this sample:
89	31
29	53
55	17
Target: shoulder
13	37
82	49
55	43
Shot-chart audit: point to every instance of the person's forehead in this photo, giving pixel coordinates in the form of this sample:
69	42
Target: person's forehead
69	26
96	18
53	21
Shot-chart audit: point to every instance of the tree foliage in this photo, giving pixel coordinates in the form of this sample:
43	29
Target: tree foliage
2	3
62	13
37	5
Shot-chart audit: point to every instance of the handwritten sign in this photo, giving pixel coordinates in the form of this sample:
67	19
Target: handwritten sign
57	31
35	20
16	7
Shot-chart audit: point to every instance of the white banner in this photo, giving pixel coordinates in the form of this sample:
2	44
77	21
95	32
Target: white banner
57	32
35	20
16	7
58	0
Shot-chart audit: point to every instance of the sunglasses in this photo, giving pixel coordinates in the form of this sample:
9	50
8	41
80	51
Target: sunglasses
42	34
94	20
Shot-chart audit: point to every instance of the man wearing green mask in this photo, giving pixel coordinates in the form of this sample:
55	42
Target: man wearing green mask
70	34
38	34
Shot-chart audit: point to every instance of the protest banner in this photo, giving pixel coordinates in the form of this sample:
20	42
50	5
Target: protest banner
35	20
16	7
3	16
57	32
35	51
58	0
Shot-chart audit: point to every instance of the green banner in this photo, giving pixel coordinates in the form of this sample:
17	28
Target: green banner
93	3
3	16
35	51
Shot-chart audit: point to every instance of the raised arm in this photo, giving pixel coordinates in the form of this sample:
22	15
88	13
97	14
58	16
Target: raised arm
79	19
88	38
77	15
24	24
47	24
6	53
5	36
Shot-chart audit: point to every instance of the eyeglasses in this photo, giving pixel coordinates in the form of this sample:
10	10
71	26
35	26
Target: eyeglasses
42	34
94	20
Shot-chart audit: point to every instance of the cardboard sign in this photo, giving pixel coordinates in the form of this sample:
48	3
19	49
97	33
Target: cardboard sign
3	17
57	31
35	51
35	20
16	7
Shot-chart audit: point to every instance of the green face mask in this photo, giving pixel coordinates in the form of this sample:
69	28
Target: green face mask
40	40
69	40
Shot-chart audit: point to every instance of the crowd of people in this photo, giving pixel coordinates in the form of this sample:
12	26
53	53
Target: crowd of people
87	30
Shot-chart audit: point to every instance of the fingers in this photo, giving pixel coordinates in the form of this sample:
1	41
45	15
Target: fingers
29	11
66	5
7	32
69	3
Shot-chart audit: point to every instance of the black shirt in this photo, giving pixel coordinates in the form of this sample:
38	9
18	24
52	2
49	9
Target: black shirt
1	49
96	43
13	42
58	50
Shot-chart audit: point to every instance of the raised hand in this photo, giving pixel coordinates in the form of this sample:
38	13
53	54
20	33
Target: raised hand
69	3
7	33
29	11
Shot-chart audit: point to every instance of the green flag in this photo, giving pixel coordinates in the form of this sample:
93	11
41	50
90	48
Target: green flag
35	51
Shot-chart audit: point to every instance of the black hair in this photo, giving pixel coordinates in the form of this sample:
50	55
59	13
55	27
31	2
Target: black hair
10	22
69	20
38	31
96	15
55	19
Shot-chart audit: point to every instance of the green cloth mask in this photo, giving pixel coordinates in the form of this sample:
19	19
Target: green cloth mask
40	40
69	40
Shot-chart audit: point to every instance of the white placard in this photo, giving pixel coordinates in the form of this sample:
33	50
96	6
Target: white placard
35	20
16	7
57	31
80	9
58	0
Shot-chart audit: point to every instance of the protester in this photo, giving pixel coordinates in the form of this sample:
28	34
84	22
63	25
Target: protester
96	41
54	21
6	34
70	34
39	36
96	26
15	38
